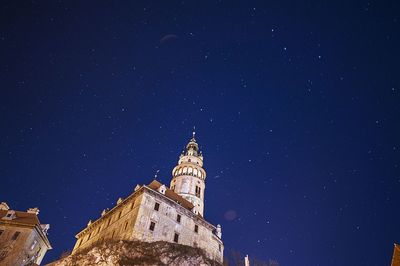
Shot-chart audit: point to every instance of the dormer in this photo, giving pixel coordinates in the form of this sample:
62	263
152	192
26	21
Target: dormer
119	201
10	215
4	206
162	189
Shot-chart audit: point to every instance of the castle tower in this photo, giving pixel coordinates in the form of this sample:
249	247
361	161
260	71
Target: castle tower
188	177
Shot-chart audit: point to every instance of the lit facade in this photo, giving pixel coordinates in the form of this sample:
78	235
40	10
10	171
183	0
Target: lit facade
23	239
155	212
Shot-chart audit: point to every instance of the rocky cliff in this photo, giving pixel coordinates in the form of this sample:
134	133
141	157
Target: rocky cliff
137	253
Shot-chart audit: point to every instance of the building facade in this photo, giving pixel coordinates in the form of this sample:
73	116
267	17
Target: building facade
155	212
23	239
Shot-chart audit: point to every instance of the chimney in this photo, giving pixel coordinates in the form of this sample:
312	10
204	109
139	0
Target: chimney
4	206
33	210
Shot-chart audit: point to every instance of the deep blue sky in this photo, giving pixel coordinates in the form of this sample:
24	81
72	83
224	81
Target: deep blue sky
296	106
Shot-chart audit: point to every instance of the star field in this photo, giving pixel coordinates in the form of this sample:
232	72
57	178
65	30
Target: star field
296	109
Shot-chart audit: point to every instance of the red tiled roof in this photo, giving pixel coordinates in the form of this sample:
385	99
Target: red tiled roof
21	218
155	185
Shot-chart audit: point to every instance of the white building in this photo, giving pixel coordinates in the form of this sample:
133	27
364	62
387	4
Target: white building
23	239
155	212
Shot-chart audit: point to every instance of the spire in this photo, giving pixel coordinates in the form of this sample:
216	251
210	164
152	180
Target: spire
194	134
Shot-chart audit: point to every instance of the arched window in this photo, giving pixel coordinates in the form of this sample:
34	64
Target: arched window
190	170
195	172
185	170
200	173
180	171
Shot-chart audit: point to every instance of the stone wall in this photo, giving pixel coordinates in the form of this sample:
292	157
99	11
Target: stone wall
116	224
166	225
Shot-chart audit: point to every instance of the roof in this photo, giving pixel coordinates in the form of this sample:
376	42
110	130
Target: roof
155	185
21	218
396	255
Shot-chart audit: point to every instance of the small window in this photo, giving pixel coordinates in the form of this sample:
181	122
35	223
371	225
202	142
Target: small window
152	225
89	236
196	228
178	218
157	206
198	191
219	247
176	237
126	225
119	215
132	205
33	244
15	236
109	221
1	232
8	215
189	160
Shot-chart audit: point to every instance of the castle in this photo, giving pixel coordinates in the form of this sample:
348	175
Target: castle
155	212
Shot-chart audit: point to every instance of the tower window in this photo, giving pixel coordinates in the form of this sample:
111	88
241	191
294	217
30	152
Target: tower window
178	218
119	215
15	236
198	191
152	226
156	206
132	205
189	160
1	232
176	237
126	225
219	247
196	228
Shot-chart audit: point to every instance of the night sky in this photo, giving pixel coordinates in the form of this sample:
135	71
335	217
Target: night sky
296	106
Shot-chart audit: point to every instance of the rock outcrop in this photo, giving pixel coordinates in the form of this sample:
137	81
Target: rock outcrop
129	253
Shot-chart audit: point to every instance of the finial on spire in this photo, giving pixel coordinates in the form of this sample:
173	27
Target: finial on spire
194	131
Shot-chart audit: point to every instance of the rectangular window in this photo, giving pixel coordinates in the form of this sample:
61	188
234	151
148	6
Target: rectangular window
196	228
157	206
176	237
152	225
33	244
126	225
178	218
119	215
198	191
132	205
15	236
219	247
